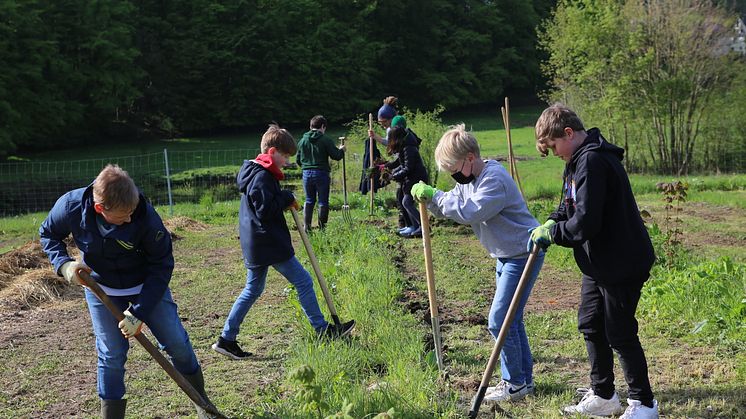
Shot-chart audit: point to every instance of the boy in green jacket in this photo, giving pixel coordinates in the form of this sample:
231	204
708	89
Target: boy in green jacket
314	151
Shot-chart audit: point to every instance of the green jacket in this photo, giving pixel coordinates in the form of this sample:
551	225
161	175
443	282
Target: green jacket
315	149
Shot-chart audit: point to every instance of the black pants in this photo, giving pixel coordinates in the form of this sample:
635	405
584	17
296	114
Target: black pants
404	220
606	318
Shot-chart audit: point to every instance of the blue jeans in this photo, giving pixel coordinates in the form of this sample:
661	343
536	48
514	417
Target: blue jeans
112	347
516	363
316	182
256	278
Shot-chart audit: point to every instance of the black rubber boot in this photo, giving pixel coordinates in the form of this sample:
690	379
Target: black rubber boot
323	216
198	382
113	409
307	217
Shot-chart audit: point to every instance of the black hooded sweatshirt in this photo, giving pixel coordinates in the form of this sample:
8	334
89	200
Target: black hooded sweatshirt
599	218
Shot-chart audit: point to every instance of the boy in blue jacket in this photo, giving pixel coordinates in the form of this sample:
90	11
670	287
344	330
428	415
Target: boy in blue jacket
127	250
599	218
265	241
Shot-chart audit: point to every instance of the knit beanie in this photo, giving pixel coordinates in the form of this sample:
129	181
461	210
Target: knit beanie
399	121
386	111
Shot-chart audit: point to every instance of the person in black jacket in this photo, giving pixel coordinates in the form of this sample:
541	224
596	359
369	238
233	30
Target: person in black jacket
407	169
599	219
265	241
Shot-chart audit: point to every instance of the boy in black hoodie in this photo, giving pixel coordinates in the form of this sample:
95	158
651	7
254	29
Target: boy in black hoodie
599	218
265	241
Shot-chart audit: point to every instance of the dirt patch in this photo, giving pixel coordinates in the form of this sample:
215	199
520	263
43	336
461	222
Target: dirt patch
184	223
554	290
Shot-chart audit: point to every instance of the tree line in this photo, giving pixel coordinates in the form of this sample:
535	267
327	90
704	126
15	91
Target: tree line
77	71
658	76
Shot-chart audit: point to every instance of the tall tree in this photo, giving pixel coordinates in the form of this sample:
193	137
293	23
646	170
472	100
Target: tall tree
649	68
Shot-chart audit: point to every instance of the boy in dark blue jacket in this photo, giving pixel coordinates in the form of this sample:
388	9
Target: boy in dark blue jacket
265	241
127	250
599	218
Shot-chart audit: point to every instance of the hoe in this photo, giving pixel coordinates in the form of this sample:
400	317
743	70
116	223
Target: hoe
316	269
150	348
477	401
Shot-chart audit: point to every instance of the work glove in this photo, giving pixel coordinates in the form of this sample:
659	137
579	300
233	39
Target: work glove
293	204
69	271
541	235
130	325
421	191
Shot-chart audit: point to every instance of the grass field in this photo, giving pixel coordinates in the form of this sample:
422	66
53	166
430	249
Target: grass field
692	315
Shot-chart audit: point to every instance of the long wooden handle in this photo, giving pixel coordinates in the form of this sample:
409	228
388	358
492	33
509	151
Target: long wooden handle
370	143
344	171
511	155
149	347
316	269
504	331
431	292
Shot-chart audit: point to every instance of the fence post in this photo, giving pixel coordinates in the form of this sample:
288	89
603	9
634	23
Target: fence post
168	183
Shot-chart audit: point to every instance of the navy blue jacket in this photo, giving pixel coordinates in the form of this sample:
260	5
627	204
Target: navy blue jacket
599	218
265	238
138	252
411	169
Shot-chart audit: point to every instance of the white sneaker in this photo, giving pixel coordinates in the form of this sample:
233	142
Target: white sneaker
504	391
593	405
637	410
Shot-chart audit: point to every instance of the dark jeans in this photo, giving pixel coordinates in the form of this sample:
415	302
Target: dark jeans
316	182
606	318
403	217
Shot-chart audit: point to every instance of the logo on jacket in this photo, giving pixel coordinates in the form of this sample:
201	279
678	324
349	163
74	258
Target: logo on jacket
159	235
126	245
570	193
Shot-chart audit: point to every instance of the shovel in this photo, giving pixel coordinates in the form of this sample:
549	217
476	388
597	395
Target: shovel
426	245
477	401
346	206
89	283
316	269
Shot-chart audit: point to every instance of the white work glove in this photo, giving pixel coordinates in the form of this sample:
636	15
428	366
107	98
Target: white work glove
130	325
69	271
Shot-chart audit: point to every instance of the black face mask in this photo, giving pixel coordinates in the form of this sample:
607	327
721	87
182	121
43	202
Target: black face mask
461	178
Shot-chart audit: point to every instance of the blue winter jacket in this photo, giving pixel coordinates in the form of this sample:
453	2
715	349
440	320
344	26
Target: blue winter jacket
265	238
138	252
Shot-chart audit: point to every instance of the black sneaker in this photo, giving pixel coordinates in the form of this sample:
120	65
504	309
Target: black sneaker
333	331
230	349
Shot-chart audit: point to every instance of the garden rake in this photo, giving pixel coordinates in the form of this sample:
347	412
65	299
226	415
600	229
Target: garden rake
427	247
316	269
346	216
477	401
193	394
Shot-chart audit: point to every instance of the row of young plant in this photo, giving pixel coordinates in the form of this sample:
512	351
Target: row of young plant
699	300
384	370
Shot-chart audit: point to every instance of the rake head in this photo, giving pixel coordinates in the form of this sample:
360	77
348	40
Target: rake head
346	215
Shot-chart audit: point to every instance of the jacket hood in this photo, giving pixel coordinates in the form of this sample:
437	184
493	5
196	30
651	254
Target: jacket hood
596	142
313	135
248	171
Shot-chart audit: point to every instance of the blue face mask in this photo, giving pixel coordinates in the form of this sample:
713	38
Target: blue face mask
461	178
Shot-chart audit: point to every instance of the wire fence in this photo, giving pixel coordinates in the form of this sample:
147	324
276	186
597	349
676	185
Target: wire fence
35	186
169	177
